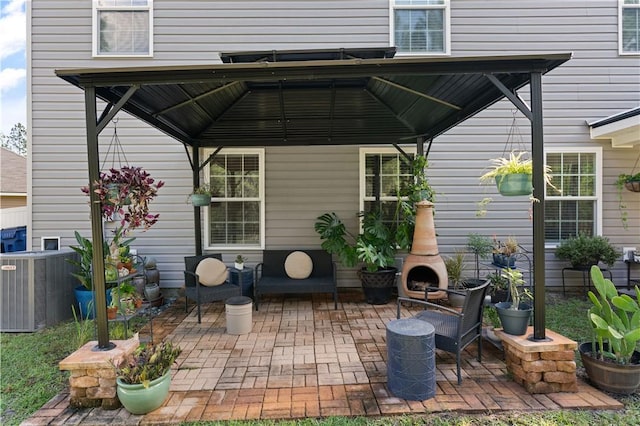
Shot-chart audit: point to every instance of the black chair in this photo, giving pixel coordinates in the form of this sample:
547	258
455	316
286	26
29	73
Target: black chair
455	330
203	294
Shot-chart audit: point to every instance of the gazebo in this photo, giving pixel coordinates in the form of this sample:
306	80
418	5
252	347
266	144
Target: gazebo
314	97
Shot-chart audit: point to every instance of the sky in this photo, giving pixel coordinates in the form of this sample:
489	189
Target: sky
13	64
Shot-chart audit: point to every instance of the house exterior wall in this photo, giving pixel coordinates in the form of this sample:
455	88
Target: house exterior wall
304	182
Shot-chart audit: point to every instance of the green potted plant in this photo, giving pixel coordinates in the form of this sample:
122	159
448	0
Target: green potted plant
374	247
201	195
512	175
584	251
499	287
417	190
631	183
611	359
514	315
455	266
481	246
143	378
492	319
239	262
504	252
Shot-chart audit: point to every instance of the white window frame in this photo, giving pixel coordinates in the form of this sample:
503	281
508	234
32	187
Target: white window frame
597	150
621	6
447	30
362	168
261	199
96	29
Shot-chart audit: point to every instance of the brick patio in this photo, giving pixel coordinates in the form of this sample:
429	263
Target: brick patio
305	359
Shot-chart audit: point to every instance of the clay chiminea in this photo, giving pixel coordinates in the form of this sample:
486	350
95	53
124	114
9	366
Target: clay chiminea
424	268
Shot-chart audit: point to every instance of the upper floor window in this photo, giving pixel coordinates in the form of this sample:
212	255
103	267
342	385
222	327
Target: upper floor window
236	214
420	26
574	206
629	26
122	27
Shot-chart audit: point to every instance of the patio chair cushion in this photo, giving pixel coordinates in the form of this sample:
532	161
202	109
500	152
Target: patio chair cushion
211	272
298	265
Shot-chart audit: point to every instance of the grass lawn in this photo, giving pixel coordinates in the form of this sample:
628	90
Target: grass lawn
30	377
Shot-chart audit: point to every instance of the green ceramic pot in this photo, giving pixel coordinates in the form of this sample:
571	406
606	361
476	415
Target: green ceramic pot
140	400
200	200
514	184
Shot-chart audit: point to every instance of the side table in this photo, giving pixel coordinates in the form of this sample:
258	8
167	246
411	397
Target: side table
243	277
411	359
586	279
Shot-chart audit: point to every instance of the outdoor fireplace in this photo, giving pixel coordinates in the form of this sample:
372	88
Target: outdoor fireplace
423	268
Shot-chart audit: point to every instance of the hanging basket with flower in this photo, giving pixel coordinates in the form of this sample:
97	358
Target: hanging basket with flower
126	192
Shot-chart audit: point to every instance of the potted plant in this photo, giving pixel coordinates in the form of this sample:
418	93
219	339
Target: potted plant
491	317
239	262
375	247
515	315
631	183
455	266
499	287
611	359
481	247
201	195
143	378
584	251
417	190
126	191
504	252
112	308
512	175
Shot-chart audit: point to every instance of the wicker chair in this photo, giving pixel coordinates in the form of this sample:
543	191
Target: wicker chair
200	293
455	330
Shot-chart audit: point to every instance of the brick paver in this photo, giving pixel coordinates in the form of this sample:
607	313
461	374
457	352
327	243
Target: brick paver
305	359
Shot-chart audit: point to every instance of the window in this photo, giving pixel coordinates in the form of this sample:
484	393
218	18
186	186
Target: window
629	26
385	174
122	27
574	207
420	26
236	214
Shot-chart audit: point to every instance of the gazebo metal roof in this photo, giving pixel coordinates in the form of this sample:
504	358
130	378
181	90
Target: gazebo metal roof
314	97
317	101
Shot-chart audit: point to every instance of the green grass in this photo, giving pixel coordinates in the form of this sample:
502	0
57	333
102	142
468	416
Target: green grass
30	377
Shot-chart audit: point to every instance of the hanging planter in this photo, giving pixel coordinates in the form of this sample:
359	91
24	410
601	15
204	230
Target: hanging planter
514	184
630	183
201	196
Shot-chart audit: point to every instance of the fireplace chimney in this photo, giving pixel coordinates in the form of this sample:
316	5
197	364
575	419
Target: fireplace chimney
424	268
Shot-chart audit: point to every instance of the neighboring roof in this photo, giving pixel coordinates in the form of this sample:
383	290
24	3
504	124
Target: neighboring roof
623	128
13	173
312	102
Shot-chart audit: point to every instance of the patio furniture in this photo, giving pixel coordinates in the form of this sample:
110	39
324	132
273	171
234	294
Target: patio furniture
455	330
272	277
411	359
238	314
199	293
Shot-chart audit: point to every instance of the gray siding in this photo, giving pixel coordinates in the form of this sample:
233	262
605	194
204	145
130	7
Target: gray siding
303	182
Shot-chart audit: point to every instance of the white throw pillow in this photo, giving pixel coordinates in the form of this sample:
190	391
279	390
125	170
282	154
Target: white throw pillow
298	265
211	272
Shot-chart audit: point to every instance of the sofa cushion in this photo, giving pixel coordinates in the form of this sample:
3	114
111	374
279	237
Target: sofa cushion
298	265
211	272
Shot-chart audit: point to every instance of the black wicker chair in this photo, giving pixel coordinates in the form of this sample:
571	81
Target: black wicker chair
455	330
200	293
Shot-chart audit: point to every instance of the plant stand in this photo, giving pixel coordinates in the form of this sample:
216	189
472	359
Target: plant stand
586	280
